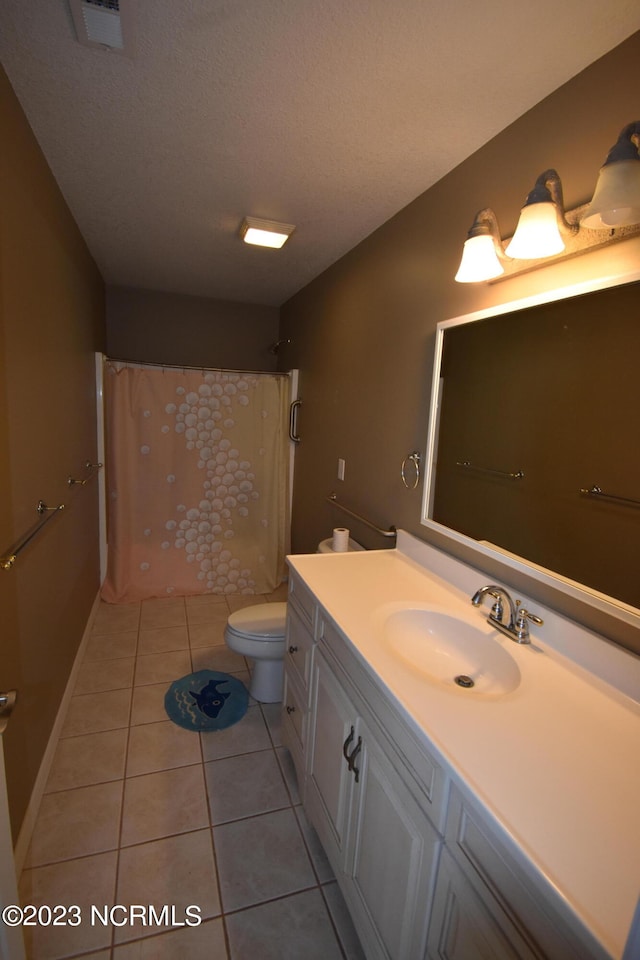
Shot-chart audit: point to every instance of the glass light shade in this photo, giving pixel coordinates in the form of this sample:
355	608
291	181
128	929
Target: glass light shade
479	261
616	201
537	234
265	238
265	233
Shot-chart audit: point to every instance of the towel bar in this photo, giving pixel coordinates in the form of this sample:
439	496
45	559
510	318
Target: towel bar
9	558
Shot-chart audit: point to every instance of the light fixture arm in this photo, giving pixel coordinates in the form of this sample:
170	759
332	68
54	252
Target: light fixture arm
548	189
485	224
627	146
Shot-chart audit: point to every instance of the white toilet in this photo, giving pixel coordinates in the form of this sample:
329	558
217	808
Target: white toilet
258	632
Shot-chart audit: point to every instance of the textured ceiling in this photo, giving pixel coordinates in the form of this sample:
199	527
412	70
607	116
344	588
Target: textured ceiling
328	114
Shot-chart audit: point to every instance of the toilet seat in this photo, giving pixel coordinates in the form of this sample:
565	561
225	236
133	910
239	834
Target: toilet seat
264	622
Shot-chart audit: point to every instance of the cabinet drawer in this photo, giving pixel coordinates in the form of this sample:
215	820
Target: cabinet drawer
303	600
494	871
298	646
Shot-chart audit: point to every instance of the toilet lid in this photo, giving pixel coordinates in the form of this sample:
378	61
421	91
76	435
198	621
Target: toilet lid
265	620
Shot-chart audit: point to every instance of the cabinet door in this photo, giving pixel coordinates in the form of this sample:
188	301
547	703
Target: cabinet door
332	738
393	857
464	928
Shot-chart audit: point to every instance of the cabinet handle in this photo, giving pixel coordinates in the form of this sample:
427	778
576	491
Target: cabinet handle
345	746
292	650
352	758
290	710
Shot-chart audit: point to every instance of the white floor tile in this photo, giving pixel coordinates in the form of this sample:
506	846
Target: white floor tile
124	774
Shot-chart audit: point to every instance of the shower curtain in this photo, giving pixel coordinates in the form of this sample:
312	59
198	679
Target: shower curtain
197	481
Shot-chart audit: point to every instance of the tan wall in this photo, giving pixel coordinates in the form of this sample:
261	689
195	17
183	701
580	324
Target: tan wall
155	327
363	332
51	321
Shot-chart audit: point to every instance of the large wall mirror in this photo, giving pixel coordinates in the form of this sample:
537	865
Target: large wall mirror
536	407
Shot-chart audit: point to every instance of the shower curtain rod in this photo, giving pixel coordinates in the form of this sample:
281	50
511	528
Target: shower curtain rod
203	369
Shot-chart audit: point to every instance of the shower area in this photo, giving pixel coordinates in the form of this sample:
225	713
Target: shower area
196	496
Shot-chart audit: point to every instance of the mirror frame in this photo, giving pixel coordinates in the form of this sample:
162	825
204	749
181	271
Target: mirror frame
579	601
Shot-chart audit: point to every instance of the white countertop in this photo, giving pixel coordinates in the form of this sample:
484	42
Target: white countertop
556	762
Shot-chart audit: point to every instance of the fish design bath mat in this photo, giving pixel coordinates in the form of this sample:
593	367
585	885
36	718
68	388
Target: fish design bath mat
206	700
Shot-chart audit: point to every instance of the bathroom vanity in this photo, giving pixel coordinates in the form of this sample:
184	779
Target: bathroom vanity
496	820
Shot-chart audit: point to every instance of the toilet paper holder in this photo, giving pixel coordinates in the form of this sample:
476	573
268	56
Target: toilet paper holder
391	532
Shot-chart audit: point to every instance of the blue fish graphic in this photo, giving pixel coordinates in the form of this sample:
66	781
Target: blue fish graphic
209	700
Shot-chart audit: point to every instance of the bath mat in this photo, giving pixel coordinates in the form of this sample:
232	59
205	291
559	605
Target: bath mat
206	700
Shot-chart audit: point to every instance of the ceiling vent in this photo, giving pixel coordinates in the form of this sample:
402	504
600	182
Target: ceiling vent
102	23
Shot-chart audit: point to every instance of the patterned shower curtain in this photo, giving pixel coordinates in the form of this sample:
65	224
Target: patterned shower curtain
197	480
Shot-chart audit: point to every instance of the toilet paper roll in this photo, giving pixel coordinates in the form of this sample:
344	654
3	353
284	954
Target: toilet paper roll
340	540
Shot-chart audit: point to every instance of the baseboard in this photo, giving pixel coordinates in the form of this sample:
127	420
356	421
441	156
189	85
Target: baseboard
26	830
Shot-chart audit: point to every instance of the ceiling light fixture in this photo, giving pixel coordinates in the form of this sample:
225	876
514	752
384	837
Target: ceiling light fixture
265	233
544	229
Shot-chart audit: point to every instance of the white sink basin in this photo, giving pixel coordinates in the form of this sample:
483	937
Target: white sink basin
451	652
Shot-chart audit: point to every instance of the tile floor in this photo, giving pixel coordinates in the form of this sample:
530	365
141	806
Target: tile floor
138	811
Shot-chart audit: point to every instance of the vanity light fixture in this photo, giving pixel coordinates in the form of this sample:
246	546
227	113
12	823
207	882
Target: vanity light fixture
541	220
545	230
265	233
616	201
482	250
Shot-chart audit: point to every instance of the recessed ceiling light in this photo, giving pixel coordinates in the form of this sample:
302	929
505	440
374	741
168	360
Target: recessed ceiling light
265	233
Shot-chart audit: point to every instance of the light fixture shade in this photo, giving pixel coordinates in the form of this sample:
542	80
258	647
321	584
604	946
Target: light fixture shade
265	233
479	261
616	201
537	234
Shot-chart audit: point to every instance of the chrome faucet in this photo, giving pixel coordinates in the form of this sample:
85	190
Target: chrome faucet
517	628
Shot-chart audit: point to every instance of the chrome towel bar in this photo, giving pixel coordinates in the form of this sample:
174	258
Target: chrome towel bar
596	491
391	532
518	475
93	467
9	558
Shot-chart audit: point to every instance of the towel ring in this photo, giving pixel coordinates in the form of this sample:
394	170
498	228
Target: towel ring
415	460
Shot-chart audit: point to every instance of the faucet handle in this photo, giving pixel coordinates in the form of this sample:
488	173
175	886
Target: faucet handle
497	609
522	624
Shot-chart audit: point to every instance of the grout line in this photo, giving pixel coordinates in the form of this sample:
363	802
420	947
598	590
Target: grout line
262	903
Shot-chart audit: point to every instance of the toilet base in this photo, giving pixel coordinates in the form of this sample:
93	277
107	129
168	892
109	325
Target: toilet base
267	680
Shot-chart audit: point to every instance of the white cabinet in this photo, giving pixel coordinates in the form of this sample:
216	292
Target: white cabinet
380	842
425	872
